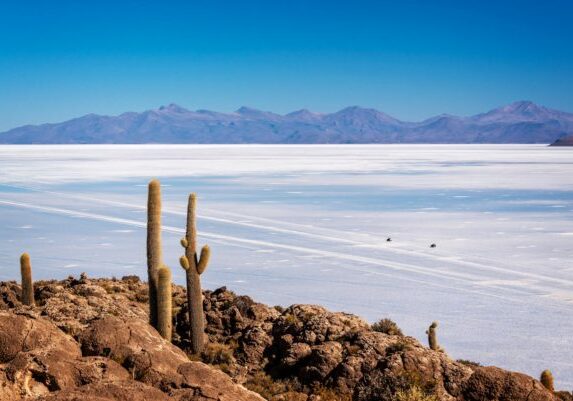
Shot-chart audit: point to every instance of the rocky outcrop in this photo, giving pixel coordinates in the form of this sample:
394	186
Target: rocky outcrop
109	357
88	339
38	358
563	141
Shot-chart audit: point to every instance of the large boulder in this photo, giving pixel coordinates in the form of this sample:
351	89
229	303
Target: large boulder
208	384
138	347
151	359
495	384
37	358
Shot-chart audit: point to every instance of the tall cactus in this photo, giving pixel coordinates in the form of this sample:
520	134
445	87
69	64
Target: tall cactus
27	285
154	257
432	340
194	266
547	380
164	303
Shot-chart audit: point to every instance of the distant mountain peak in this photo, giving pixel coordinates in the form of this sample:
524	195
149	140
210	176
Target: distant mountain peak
304	115
253	113
362	113
248	110
523	110
173	108
523	106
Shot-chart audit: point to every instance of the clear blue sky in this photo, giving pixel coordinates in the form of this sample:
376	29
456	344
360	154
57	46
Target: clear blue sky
413	59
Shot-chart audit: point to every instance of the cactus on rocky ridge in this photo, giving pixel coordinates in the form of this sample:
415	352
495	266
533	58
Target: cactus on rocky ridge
194	266
547	380
164	303
154	257
432	339
27	284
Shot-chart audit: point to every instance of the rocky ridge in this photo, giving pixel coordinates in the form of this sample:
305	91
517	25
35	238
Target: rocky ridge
89	339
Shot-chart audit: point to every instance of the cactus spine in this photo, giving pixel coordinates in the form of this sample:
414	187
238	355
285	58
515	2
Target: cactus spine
432	340
27	285
154	258
547	380
194	267
164	303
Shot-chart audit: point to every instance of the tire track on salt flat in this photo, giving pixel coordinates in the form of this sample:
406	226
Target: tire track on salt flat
443	259
466	279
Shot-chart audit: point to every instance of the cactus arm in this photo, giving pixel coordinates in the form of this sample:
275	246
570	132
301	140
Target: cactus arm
204	259
184	262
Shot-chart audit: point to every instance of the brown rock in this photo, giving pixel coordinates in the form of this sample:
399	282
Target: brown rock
117	391
295	353
495	384
253	345
37	356
136	346
207	383
323	359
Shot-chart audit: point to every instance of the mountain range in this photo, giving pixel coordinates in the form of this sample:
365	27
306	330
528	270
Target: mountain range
519	122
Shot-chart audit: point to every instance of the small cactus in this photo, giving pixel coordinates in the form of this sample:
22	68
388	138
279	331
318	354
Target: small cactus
164	303
194	266
154	257
432	340
27	284
547	380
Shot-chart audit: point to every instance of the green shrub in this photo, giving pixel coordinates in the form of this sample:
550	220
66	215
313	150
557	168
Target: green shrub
387	326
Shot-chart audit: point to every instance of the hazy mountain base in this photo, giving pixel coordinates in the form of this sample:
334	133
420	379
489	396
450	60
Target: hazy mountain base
89	339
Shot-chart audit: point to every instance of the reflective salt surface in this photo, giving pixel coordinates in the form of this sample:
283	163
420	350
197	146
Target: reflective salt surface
308	224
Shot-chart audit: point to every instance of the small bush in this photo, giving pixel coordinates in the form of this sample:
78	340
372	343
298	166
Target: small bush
291	320
387	326
414	393
218	354
326	394
380	385
471	364
264	385
397	347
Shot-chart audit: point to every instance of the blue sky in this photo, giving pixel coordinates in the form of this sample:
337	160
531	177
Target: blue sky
411	59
